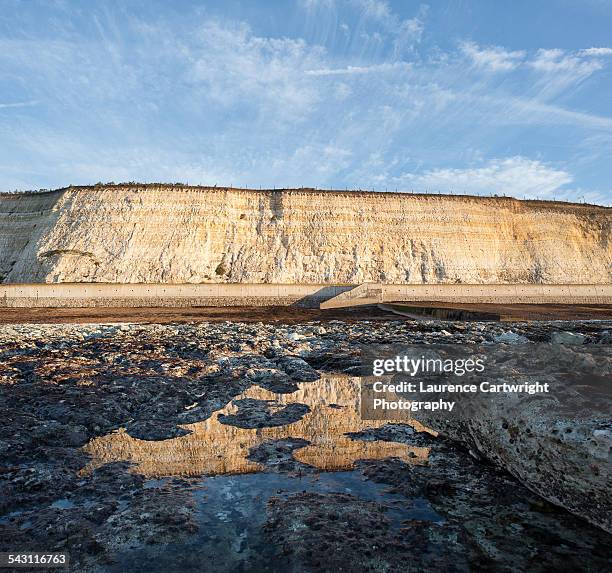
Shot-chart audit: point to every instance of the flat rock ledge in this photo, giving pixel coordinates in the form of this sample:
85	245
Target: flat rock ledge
563	456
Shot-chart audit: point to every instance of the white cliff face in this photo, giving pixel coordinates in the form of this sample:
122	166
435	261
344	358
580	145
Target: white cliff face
167	234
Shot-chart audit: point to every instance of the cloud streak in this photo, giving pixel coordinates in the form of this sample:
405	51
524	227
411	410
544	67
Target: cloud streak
353	70
375	100
597	52
17	104
516	176
493	58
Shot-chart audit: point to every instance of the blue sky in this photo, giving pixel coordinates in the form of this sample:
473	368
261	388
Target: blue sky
464	96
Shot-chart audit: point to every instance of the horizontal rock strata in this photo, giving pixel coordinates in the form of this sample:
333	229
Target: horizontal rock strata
171	234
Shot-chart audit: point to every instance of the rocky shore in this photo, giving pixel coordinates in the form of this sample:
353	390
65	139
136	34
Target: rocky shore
299	485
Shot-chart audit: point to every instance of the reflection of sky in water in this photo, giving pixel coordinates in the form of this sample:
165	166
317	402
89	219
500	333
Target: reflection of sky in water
231	511
213	448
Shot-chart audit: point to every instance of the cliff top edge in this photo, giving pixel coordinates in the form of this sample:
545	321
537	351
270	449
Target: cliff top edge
134	186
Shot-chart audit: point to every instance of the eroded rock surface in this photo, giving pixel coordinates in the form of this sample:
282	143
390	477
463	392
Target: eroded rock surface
64	388
557	444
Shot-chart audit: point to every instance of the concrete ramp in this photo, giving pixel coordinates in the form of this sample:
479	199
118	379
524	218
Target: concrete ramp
364	294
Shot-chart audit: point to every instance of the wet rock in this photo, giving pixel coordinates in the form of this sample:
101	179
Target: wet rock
153	516
510	337
603	337
395	433
155	429
336	360
272	379
263	413
297	369
340	532
493	515
63	384
277	455
52	433
557	444
76	436
565	337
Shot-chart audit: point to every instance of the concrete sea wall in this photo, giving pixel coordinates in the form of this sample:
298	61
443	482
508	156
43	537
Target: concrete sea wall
145	295
73	295
481	293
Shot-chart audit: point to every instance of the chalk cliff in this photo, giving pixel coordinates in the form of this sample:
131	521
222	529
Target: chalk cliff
171	234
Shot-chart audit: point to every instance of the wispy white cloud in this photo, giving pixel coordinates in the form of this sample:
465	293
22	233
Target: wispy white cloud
404	33
361	96
517	176
556	60
519	110
18	104
596	52
493	58
355	70
231	64
560	73
499	59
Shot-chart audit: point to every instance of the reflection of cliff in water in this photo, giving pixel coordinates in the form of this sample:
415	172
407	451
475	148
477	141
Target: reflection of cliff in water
213	448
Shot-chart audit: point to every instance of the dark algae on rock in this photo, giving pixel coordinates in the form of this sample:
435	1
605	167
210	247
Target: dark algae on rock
174	447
